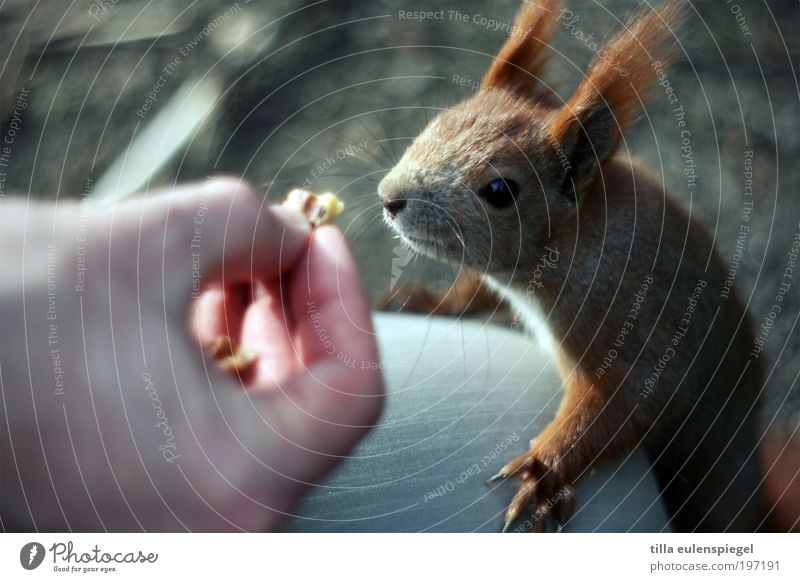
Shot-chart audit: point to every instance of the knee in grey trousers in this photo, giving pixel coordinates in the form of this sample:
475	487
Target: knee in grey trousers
463	398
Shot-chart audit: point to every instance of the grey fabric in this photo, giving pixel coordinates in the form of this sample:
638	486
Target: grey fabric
464	397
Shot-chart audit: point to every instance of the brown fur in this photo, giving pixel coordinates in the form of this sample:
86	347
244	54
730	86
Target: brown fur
624	87
611	227
519	63
467	296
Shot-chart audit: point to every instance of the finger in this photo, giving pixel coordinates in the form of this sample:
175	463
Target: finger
337	393
232	233
329	305
244	238
267	332
219	311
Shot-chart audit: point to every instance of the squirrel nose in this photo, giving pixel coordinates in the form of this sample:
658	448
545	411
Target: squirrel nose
395	205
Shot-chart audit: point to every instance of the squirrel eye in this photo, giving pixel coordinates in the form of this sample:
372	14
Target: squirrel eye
500	192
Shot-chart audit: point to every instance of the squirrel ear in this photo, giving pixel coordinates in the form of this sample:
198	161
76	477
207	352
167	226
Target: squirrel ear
589	127
588	142
518	65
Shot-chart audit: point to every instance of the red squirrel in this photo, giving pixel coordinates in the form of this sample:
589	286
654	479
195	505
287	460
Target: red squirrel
533	195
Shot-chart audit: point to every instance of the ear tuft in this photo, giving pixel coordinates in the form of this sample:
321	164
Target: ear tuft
519	63
616	85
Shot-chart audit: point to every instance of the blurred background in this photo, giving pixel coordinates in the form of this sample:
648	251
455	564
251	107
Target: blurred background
107	97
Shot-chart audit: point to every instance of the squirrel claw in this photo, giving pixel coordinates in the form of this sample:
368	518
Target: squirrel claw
553	496
496	477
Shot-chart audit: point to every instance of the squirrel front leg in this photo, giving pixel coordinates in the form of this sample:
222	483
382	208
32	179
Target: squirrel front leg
591	424
467	295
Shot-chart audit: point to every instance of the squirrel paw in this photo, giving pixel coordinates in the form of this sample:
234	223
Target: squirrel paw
467	296
554	495
408	298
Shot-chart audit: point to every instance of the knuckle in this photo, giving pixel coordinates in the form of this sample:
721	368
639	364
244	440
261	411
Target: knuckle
225	191
231	201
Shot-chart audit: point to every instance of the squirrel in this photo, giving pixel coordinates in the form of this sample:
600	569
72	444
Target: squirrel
532	197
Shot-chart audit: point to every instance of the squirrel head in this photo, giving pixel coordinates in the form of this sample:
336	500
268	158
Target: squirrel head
489	180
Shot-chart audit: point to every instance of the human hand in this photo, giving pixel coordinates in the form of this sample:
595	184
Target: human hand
117	420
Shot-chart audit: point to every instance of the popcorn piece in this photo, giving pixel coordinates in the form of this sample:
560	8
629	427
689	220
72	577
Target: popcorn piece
238	363
319	210
221	347
230	357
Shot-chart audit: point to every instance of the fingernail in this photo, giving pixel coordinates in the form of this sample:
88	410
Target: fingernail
292	219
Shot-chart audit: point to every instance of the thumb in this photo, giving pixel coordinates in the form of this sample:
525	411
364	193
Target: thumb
242	238
230	234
